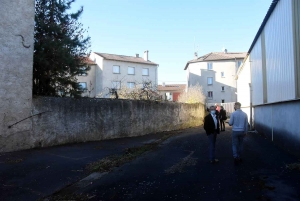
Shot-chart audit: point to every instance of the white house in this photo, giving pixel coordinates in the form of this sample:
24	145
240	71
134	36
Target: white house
274	63
116	71
215	72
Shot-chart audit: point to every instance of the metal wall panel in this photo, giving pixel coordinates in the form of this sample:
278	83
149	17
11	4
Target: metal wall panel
280	53
256	73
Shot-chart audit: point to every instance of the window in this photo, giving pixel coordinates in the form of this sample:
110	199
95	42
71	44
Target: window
131	70
116	69
82	71
210	94
116	85
223	101
209	66
239	63
83	85
146	71
222	74
209	81
223	88
130	85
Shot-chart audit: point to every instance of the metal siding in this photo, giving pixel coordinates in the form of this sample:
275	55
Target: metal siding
279	53
256	73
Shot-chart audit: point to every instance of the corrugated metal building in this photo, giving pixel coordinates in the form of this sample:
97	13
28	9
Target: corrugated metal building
275	74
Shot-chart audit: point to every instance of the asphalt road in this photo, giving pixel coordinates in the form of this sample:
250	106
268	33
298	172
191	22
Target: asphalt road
179	170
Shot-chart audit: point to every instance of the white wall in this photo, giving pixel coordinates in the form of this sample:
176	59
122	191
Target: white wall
89	79
138	78
105	76
198	73
243	89
243	80
256	73
280	53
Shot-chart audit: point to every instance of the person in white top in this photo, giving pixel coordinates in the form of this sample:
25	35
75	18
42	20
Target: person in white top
239	123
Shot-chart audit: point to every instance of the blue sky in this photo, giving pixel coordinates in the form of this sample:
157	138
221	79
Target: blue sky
170	29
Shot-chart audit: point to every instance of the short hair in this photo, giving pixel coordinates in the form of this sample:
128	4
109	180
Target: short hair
238	104
212	106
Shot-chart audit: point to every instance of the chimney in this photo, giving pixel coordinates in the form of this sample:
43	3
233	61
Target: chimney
146	55
196	55
164	84
225	51
137	55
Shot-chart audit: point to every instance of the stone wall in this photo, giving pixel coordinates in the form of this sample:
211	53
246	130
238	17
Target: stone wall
58	121
16	61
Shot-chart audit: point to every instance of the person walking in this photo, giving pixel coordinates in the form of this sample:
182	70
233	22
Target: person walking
223	117
239	123
211	126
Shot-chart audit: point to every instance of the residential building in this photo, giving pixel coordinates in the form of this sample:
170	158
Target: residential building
87	80
115	71
171	92
274	63
215	72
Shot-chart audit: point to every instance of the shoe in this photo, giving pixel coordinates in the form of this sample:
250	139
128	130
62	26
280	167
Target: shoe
236	161
214	161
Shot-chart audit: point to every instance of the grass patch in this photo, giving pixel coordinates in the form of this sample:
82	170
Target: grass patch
293	166
108	163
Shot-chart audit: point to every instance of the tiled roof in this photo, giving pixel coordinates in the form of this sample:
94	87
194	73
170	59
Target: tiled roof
217	56
125	58
171	87
87	61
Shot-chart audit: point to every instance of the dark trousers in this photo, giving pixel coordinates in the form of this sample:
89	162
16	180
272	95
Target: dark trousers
222	124
212	144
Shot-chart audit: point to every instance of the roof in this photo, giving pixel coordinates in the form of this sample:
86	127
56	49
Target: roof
171	87
115	57
87	61
217	56
271	9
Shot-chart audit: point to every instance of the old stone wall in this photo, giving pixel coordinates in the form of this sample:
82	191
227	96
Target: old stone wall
16	61
67	120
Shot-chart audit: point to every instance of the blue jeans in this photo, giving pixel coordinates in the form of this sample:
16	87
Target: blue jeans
212	143
237	143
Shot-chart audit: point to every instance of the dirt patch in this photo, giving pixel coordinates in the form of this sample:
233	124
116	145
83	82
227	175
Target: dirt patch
108	163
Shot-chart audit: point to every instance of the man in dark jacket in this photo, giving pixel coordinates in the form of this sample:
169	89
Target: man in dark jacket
211	126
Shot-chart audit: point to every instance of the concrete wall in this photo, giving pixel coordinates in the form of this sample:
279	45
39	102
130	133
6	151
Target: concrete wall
281	121
67	120
16	61
198	73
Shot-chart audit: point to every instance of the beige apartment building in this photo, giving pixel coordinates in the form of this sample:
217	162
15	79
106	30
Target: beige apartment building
115	71
215	72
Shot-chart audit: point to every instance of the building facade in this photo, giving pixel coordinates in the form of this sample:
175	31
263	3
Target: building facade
215	72
116	71
171	92
274	58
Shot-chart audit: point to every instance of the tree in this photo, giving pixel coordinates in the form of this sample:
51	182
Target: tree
59	49
140	91
194	94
